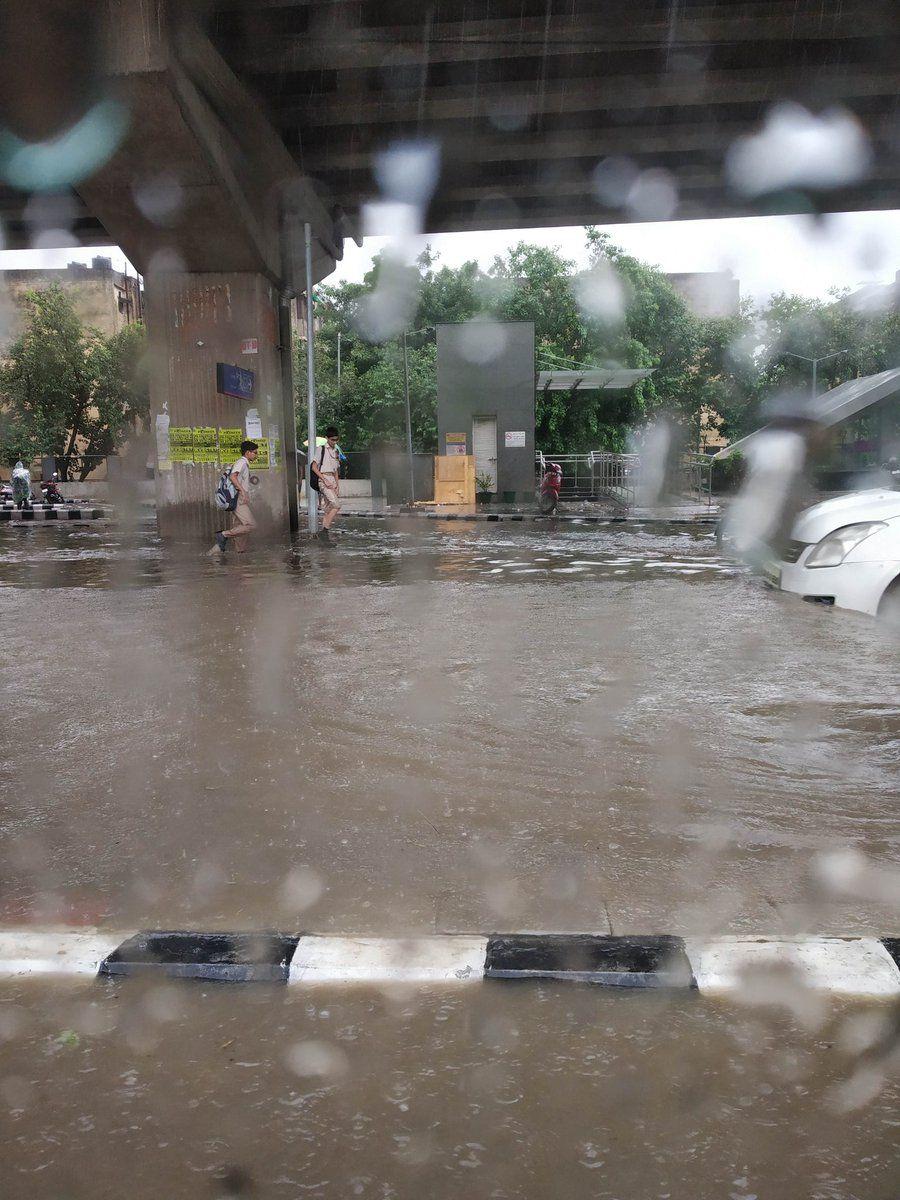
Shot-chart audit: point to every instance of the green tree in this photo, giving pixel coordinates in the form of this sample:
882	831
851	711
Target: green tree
68	391
620	311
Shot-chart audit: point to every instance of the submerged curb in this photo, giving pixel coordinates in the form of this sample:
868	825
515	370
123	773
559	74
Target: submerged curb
530	517
852	966
23	516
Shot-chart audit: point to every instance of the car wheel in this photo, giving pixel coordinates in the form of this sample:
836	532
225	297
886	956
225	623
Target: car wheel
889	608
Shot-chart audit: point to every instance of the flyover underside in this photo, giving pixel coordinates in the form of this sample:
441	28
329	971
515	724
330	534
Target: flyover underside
524	100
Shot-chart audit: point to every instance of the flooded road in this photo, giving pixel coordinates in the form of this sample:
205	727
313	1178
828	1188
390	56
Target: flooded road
437	728
434	728
529	1091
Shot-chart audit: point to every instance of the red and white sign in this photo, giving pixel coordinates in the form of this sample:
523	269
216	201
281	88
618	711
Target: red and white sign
250	346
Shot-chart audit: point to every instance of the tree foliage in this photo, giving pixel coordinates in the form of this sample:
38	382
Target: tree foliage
67	390
618	311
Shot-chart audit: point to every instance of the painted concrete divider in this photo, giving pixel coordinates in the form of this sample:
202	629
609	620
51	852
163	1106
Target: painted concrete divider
864	967
37	516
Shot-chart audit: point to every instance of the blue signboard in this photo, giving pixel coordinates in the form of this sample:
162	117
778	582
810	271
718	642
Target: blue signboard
234	381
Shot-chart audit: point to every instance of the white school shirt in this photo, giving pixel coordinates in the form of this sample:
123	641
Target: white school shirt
330	464
242	469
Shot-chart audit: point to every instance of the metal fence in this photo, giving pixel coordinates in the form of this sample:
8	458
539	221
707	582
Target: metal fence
76	468
577	477
616	476
601	475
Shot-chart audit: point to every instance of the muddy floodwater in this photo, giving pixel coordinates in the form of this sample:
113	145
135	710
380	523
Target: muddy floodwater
528	1092
433	727
436	727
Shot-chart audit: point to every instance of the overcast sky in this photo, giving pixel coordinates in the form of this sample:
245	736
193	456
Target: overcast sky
767	254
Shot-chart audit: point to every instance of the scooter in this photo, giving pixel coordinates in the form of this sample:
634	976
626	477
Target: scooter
52	494
551	483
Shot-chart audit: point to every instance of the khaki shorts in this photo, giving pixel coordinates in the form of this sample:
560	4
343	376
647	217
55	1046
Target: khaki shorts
243	516
329	495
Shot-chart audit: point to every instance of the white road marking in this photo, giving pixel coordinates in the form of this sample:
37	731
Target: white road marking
388	960
55	952
849	966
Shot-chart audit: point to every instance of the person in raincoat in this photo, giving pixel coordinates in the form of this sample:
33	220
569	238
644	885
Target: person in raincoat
21	485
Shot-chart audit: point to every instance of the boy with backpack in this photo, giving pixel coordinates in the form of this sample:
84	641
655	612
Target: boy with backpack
233	495
325	468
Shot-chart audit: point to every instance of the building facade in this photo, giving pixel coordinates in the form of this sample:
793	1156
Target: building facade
104	299
708	293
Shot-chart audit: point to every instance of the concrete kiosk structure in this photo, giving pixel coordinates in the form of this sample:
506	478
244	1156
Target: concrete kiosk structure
485	406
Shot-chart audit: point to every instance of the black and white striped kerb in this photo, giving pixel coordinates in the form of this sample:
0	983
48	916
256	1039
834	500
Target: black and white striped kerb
23	516
852	966
583	958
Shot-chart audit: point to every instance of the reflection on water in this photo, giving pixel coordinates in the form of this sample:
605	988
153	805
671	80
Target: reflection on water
39	557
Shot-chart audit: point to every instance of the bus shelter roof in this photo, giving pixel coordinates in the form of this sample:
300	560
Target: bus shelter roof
838	403
590	379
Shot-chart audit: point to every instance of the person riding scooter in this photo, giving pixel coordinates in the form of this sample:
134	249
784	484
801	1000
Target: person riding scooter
551	482
52	494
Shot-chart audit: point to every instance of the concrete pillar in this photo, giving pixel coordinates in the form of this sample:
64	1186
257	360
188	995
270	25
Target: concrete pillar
195	321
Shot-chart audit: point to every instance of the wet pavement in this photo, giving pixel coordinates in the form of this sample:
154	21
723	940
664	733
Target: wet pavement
435	727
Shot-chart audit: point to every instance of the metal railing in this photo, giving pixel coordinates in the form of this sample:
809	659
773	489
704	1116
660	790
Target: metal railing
694	478
602	475
616	476
78	468
577	476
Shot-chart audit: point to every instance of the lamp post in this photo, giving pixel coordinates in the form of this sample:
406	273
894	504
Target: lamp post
815	364
409	449
312	497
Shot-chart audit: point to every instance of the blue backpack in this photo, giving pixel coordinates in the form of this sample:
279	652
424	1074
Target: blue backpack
226	492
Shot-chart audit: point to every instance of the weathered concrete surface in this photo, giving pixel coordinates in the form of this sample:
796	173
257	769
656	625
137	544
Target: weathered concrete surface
194	128
197	321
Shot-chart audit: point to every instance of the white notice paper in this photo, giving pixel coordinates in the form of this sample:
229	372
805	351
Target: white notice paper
514	438
253	424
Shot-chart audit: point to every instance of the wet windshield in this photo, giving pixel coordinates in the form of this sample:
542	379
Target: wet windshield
449	600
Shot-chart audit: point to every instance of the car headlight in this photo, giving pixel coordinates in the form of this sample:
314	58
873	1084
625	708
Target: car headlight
833	549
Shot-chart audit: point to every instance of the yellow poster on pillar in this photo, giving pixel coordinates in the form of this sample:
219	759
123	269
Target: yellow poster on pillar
261	462
206	445
181	443
230	446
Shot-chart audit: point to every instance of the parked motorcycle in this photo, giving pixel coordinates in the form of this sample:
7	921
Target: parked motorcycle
551	483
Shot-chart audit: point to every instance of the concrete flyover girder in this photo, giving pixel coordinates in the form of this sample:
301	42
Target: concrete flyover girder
195	128
521	84
524	82
644	92
337	45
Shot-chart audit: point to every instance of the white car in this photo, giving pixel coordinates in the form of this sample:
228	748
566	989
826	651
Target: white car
845	551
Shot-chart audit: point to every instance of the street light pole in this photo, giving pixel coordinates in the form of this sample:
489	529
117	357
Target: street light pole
815	364
409	450
312	497
339	367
